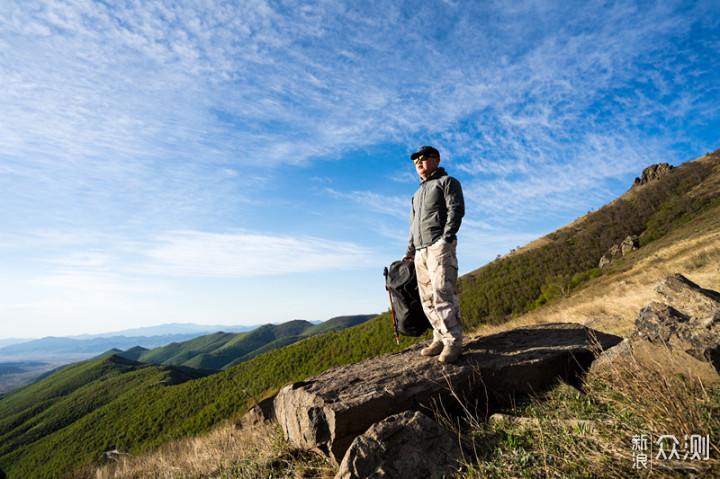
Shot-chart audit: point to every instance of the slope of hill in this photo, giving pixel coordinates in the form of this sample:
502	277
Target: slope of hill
68	397
683	209
516	284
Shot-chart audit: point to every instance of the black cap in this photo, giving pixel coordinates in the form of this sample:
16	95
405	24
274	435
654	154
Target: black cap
425	150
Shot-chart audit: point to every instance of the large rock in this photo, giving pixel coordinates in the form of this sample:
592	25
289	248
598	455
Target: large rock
653	172
408	444
631	243
327	412
261	413
634	352
681	335
689	298
664	325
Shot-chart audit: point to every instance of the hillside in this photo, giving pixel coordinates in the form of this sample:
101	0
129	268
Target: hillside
677	221
569	256
65	399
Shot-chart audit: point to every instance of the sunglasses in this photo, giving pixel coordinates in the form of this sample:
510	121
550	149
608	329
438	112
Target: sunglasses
422	158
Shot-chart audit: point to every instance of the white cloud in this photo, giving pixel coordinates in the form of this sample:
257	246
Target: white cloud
198	253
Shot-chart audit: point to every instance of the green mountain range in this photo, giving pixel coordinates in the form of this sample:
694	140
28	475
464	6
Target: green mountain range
224	350
68	419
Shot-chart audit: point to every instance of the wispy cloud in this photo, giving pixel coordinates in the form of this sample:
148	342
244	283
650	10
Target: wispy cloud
246	254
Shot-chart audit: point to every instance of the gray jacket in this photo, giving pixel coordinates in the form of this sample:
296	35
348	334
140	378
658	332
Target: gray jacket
437	210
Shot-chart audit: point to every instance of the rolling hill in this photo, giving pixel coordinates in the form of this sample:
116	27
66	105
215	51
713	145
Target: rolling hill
223	350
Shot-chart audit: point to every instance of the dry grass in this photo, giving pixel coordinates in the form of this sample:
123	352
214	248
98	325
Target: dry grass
568	433
611	302
226	452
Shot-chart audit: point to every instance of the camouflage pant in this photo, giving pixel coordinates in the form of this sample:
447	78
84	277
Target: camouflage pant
437	273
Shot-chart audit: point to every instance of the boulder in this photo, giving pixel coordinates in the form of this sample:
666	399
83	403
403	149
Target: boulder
662	324
635	351
605	261
327	412
689	298
681	335
653	172
408	444
631	243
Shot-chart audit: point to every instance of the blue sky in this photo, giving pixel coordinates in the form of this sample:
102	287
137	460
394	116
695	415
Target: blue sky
247	162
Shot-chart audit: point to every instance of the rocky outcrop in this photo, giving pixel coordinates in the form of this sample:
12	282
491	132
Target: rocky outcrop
408	444
689	322
630	243
327	412
691	299
653	172
681	334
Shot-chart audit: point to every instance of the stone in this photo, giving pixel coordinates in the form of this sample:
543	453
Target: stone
408	444
631	243
653	172
327	412
680	337
662	324
605	261
689	298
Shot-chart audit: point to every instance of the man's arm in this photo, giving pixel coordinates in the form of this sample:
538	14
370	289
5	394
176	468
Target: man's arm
455	204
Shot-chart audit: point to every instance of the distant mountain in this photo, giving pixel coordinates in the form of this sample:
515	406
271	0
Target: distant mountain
171	329
10	341
54	347
221	350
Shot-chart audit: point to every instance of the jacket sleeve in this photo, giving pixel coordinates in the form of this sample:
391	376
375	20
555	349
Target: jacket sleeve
455	204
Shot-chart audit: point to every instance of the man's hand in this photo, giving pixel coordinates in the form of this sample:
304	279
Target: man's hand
407	258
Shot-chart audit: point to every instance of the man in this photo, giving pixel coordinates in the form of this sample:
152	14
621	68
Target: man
437	210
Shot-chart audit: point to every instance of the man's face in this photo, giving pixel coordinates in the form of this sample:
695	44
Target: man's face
426	166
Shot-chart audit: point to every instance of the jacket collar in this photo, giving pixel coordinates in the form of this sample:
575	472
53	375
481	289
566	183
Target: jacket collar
435	174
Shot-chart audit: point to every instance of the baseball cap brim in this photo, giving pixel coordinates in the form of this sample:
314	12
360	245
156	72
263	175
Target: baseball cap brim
425	150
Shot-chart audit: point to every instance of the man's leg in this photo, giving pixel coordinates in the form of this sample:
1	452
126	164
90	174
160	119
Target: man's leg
425	290
443	267
437	281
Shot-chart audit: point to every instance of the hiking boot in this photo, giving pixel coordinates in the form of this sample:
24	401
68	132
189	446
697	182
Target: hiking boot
450	353
435	348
